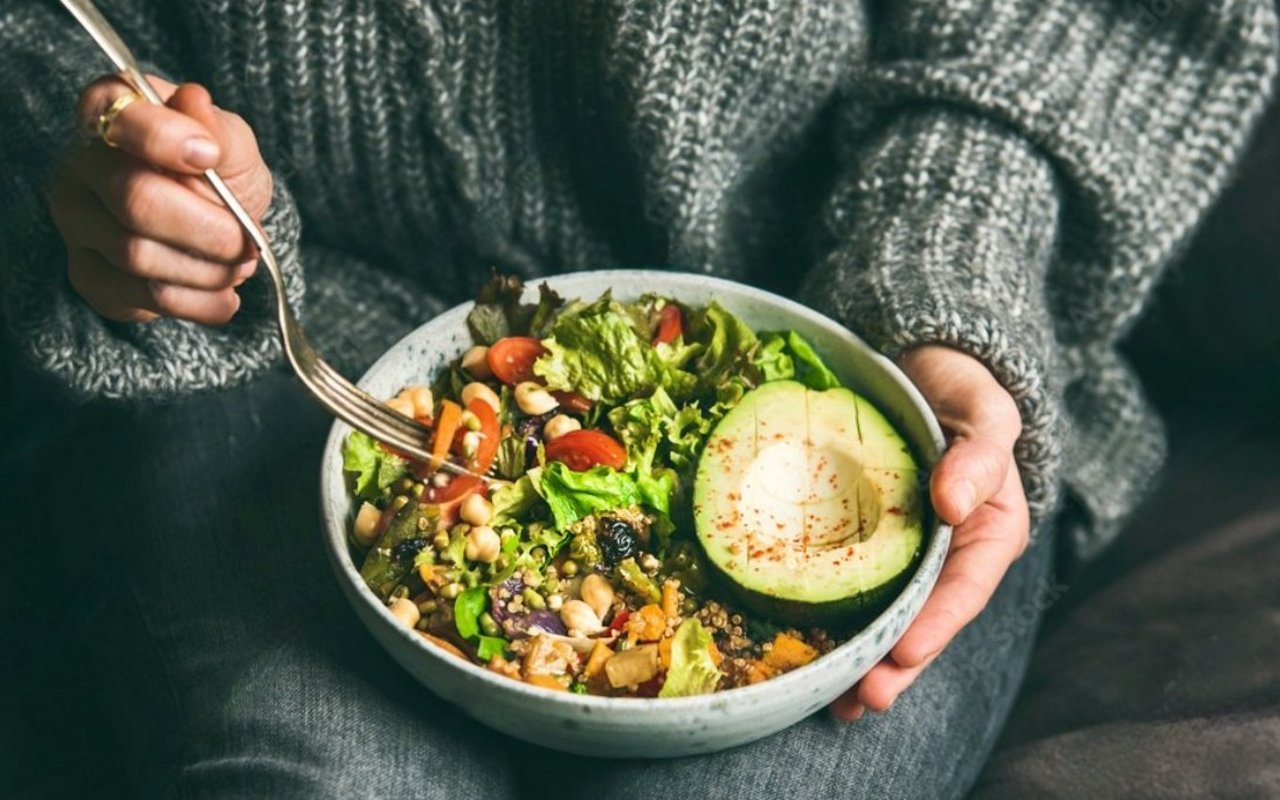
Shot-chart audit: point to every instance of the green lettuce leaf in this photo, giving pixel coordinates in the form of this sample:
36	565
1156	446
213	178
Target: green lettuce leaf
772	359
498	311
641	425
692	671
466	618
597	352
727	343
512	502
371	468
467	610
573	495
811	370
686	434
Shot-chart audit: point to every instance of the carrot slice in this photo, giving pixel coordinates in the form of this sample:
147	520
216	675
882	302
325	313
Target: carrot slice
450	417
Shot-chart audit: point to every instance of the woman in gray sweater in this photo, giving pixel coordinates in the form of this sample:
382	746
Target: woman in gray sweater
984	190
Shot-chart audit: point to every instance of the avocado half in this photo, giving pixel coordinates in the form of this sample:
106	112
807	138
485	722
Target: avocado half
810	504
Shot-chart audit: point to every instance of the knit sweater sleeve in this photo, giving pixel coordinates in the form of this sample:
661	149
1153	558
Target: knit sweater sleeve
1038	164
45	62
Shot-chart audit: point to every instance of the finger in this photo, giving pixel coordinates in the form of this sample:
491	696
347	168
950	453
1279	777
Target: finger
984	547
124	298
108	292
846	707
98	96
206	308
158	135
971	471
84	221
156	206
241	163
880	687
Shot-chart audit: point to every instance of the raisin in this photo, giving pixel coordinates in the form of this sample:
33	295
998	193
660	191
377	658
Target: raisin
617	540
408	549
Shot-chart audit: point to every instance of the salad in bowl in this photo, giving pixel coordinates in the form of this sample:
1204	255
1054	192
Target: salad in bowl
655	499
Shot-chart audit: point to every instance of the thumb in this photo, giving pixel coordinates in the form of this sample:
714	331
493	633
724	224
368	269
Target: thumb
194	101
971	471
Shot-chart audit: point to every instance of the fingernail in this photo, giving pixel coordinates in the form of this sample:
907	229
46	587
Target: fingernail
965	495
200	153
245	271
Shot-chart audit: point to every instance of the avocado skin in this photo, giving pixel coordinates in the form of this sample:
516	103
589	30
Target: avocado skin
847	615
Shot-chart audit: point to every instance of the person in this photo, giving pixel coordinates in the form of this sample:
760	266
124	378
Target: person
986	192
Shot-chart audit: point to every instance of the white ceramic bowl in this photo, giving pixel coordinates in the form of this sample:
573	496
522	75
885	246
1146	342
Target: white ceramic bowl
636	727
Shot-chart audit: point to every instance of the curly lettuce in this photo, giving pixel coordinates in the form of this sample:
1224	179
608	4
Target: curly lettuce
692	670
371	469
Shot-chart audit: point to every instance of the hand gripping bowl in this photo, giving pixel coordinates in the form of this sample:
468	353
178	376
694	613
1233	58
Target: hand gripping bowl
636	727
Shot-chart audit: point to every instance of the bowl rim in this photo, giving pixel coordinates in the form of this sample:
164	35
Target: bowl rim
339	550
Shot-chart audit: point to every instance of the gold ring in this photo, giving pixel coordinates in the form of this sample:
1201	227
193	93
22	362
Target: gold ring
108	117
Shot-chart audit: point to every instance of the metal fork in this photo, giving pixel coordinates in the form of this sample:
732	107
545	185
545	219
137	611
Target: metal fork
343	399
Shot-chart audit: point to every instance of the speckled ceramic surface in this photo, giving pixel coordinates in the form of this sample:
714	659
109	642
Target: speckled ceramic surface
626	727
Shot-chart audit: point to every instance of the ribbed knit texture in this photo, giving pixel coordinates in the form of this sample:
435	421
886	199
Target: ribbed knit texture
1007	177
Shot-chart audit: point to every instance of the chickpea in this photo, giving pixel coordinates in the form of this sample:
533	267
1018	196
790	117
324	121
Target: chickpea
401	405
365	529
555	601
533	399
450	591
405	611
424	404
476	510
483	545
476	362
479	391
579	618
597	592
559	425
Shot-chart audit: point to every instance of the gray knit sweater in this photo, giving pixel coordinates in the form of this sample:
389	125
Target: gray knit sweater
1007	177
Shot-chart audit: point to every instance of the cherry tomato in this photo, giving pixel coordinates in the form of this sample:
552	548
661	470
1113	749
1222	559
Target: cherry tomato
457	488
582	450
511	359
572	402
488	447
670	324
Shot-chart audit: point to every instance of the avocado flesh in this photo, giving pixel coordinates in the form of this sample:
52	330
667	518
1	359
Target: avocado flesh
809	503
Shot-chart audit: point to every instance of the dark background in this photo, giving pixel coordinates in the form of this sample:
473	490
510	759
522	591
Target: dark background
1208	348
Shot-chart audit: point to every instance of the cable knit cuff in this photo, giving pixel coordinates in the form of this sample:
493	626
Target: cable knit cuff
944	228
60	333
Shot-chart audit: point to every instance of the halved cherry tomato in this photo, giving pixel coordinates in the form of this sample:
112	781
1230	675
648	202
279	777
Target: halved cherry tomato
670	324
457	488
488	447
572	402
511	359
582	450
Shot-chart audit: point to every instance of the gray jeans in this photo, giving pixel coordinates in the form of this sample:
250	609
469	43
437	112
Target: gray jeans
234	668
